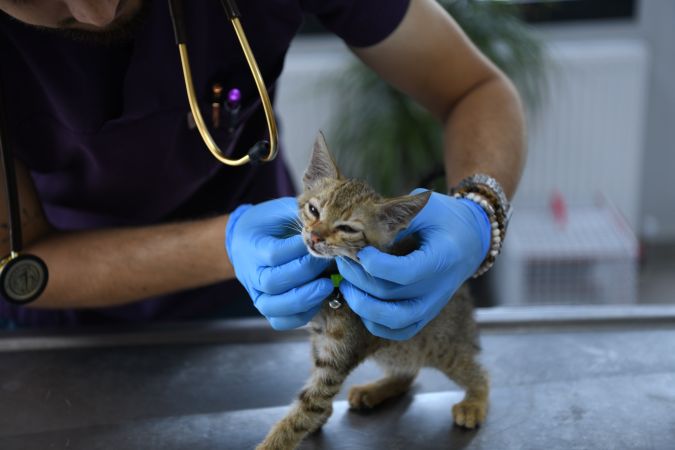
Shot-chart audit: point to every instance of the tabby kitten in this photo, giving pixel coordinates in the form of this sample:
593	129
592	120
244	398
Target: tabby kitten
339	217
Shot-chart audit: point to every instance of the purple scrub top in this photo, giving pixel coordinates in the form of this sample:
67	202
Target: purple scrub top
105	135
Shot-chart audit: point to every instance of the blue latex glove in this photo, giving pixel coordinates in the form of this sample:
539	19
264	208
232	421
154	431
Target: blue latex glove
278	273
455	237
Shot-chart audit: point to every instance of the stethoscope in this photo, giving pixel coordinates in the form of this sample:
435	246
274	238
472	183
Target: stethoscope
23	277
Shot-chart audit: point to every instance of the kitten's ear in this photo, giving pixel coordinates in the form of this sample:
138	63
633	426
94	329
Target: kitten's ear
396	213
321	165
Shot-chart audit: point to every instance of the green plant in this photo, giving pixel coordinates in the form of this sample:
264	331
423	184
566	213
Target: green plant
384	137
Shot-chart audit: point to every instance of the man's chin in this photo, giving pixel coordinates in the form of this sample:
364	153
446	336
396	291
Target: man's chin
118	33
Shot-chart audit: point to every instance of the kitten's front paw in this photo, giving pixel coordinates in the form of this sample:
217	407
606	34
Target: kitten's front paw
469	414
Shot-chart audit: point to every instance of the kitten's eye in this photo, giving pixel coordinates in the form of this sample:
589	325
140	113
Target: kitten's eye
346	229
313	210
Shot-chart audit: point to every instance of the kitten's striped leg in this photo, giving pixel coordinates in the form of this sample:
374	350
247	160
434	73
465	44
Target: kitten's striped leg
468	373
314	404
366	396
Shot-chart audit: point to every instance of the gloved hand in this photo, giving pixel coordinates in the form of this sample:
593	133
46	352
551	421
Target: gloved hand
278	273
454	237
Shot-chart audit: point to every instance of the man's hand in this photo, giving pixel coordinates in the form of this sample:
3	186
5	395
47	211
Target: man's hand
276	270
396	296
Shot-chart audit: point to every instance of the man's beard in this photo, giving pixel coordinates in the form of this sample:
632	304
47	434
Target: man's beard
119	34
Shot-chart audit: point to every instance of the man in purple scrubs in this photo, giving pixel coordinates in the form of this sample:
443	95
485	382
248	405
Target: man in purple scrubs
128	209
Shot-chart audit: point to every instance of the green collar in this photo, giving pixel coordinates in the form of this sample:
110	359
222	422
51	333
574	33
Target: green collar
336	278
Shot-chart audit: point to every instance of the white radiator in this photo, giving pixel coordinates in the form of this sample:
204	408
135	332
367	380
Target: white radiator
587	140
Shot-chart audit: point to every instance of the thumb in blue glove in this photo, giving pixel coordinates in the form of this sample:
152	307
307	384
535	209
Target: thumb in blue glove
273	266
396	296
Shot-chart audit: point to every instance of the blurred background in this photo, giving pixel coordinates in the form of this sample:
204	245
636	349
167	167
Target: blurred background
594	218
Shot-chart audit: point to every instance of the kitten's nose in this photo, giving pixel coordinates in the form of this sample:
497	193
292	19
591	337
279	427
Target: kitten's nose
315	237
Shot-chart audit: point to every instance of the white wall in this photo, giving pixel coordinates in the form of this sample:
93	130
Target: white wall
306	98
657	25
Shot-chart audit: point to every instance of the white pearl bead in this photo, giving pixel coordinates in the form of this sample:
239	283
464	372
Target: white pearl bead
494	252
496	232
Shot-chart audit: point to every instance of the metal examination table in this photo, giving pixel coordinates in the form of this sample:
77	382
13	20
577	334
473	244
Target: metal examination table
562	378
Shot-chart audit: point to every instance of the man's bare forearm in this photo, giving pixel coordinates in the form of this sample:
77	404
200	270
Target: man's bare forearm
484	133
117	266
432	60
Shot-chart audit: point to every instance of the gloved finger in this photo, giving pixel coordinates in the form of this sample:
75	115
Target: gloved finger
277	210
270	217
383	289
407	269
295	301
401	334
278	279
294	321
274	251
392	314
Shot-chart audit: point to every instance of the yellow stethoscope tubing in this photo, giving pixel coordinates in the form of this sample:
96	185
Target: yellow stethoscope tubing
233	14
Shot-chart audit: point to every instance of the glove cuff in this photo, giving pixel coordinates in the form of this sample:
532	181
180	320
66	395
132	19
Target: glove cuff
229	228
483	220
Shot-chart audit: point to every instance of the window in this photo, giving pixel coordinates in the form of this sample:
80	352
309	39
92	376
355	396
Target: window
535	11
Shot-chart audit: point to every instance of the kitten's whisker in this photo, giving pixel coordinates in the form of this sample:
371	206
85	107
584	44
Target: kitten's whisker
352	246
295	224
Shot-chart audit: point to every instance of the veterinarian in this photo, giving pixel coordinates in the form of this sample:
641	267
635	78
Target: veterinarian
136	221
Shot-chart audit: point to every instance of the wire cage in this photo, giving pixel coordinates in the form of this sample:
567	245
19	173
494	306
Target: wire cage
560	255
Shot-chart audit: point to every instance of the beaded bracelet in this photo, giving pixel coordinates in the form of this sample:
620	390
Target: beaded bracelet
488	194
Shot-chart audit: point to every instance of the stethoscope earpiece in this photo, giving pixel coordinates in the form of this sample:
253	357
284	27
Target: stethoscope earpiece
258	152
22	278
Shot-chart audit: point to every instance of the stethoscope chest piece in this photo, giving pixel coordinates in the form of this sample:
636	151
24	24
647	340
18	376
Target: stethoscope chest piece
23	278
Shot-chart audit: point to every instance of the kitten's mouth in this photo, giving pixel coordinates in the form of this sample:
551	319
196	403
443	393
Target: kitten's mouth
314	252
